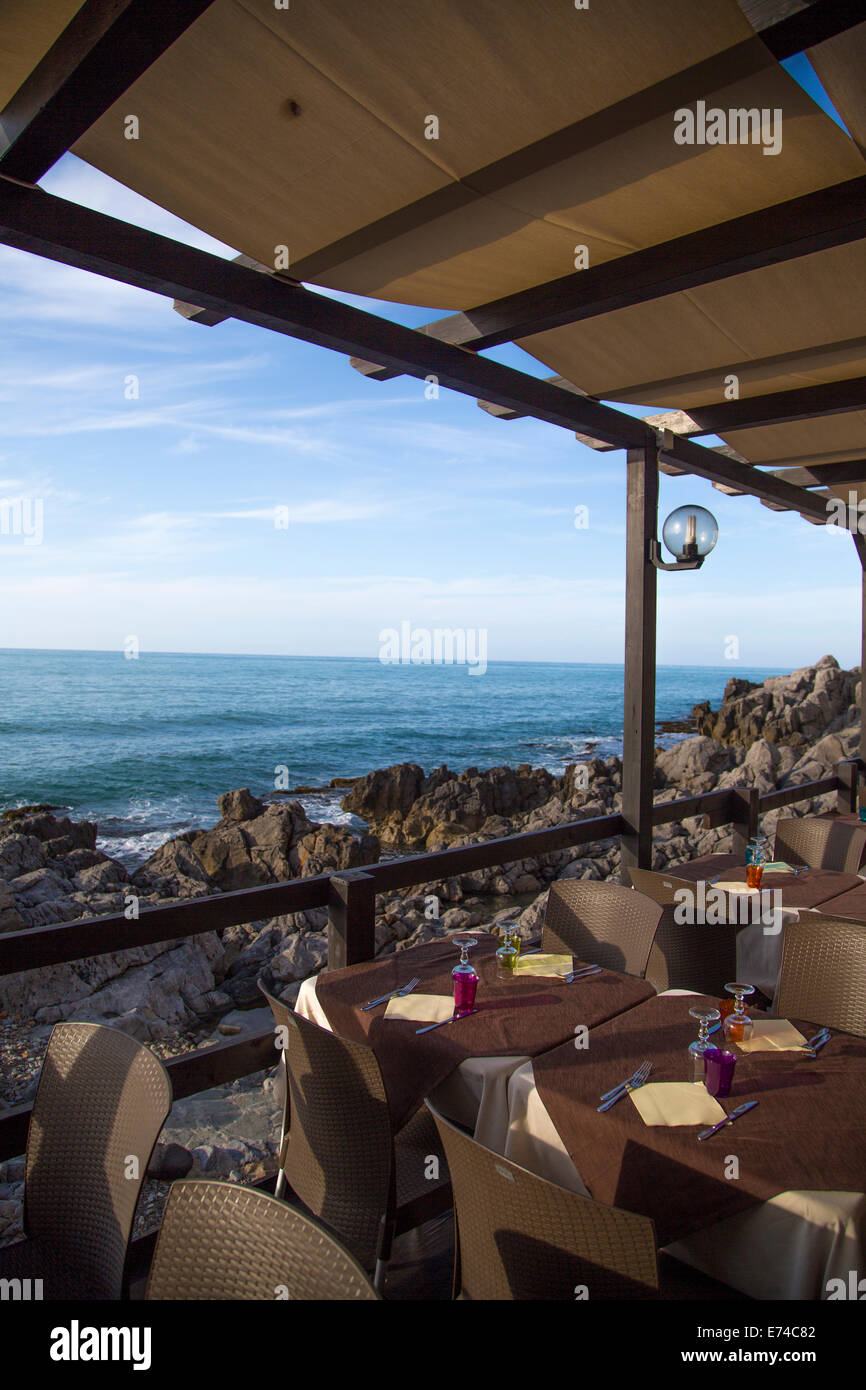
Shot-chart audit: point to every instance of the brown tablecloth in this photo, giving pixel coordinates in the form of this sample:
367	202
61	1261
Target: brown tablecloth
521	1017
807	1132
809	888
850	904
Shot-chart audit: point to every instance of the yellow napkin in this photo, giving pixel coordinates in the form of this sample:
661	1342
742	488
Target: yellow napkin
735	887
773	1035
778	868
424	1008
544	964
676	1103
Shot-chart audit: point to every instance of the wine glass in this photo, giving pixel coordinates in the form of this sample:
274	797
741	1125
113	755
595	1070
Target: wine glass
704	1016
465	977
738	1026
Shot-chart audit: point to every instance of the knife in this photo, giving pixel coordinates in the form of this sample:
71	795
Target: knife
428	1027
728	1120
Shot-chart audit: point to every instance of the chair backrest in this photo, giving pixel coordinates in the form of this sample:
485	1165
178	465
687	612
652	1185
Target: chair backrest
823	974
661	887
522	1237
101	1103
685	955
820	843
221	1241
339	1157
600	922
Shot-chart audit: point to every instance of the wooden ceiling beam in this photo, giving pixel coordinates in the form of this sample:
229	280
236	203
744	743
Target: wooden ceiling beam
104	48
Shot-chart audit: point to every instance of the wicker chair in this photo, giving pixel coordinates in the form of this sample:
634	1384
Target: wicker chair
823	974
522	1237
221	1241
600	922
102	1101
684	955
341	1154
820	843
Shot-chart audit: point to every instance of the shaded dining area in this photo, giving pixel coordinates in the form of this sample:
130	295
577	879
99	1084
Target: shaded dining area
661	1096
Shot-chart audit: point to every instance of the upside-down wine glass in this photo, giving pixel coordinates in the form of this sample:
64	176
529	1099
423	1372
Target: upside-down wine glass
738	1026
508	953
705	1016
465	978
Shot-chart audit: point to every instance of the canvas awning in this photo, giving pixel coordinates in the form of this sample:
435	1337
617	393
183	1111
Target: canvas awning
306	128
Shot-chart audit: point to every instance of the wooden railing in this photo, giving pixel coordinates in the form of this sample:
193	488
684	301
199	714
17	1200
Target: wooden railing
350	897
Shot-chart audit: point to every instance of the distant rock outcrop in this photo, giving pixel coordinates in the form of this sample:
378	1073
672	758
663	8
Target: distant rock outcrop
794	710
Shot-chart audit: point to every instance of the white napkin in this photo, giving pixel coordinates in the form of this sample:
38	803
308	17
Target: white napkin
545	963
423	1008
773	1035
676	1103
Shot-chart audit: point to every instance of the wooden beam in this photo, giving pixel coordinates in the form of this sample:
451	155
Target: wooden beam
105	47
830	217
781	407
94	936
351	919
824	474
821	20
36	221
638	753
742	478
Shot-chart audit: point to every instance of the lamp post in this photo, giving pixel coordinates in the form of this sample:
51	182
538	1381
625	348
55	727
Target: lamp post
689	533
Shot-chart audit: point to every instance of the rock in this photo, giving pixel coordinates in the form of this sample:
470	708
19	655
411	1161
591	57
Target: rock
240	805
169	1162
174	870
794	709
695	763
304	956
10	918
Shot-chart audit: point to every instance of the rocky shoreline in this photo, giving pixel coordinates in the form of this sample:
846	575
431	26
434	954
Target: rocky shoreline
175	996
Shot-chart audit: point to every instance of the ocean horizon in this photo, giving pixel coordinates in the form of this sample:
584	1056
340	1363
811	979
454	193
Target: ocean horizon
145	746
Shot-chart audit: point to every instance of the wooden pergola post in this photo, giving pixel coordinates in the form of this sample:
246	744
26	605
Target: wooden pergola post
638	757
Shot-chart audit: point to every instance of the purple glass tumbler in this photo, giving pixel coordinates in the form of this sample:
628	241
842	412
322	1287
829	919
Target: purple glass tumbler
464	977
719	1071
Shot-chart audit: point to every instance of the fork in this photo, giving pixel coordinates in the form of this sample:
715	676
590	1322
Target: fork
607	1095
633	1084
394	994
814	1045
581	974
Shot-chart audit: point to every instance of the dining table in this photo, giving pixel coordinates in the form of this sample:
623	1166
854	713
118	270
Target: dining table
465	1064
797	889
773	1205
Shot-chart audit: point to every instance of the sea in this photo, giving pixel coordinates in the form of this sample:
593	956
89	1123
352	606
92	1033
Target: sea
145	746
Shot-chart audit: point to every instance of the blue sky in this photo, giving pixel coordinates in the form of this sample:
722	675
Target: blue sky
159	511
